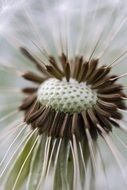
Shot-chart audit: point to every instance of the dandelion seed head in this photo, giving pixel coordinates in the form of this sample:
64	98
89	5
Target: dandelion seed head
83	92
66	56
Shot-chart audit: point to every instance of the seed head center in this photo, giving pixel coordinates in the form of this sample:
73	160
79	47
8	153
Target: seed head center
66	96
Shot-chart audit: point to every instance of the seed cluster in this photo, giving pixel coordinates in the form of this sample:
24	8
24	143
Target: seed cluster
66	96
44	109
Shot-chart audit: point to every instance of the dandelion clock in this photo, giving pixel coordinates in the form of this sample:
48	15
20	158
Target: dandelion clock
63	82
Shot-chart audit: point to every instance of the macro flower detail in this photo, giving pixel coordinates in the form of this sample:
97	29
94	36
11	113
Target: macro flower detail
63	111
74	96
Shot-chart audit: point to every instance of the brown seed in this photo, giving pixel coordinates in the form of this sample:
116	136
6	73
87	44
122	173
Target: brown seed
101	111
39	66
29	90
28	102
67	72
55	65
52	71
92	66
83	72
33	77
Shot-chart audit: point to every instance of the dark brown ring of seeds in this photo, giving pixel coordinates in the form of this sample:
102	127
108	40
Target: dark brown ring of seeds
59	124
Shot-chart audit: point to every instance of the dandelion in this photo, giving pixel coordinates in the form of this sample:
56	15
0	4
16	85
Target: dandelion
63	95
